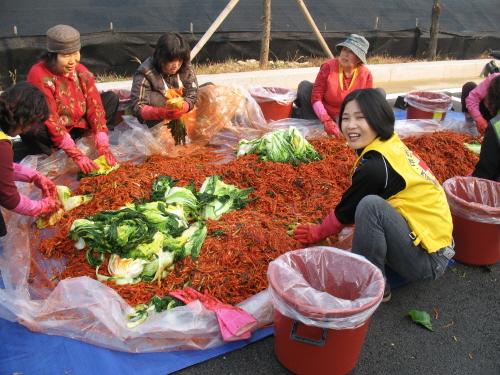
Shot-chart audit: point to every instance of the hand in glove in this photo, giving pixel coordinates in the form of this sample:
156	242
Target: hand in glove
85	164
29	207
234	323
154	113
332	128
25	174
481	125
307	234
102	146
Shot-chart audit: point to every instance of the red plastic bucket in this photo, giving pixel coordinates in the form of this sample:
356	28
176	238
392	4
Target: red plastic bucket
427	105
311	349
476	244
475	210
274	102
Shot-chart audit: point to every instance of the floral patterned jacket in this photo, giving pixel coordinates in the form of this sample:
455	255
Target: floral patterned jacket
74	101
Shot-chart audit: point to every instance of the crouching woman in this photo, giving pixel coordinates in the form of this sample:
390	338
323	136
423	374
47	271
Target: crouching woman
400	210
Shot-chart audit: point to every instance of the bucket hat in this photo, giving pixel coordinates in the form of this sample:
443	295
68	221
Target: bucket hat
357	44
63	39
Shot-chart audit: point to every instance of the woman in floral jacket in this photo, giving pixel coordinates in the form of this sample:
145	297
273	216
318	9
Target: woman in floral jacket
76	107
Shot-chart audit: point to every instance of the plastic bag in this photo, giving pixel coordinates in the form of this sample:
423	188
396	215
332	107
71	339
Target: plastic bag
474	199
429	101
273	94
325	287
85	309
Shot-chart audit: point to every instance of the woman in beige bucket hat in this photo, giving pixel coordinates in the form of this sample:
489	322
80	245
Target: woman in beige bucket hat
336	78
76	107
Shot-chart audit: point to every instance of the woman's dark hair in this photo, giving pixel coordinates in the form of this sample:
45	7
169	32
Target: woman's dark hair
50	59
22	106
171	46
377	111
493	96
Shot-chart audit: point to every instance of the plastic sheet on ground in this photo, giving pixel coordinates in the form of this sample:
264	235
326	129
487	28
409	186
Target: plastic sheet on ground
325	287
474	199
87	310
419	127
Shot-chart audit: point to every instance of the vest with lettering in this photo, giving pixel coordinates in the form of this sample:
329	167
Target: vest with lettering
423	202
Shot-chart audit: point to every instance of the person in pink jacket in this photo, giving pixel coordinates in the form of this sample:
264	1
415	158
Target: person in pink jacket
21	107
475	104
76	107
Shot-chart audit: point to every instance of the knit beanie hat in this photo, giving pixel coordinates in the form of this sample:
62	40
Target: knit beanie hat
63	39
357	44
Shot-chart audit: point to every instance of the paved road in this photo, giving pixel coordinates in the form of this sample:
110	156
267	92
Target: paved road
467	297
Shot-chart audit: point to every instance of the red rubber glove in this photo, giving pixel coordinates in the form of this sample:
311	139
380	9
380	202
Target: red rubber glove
25	174
29	207
481	125
332	128
307	234
102	146
235	323
85	164
154	113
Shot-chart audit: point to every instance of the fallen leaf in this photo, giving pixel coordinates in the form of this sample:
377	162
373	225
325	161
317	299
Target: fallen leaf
422	317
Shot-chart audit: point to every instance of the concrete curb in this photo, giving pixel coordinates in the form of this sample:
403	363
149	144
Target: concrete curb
382	73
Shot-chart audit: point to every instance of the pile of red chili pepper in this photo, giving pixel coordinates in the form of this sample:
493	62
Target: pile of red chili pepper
239	246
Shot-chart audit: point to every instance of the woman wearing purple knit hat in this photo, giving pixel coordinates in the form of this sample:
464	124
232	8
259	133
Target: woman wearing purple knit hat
336	78
76	107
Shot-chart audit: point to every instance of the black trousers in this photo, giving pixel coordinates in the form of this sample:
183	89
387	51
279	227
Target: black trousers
38	141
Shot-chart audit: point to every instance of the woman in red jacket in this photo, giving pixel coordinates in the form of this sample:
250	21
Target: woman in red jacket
336	78
76	107
21	107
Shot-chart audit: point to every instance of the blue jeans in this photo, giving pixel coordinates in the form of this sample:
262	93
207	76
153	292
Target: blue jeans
382	236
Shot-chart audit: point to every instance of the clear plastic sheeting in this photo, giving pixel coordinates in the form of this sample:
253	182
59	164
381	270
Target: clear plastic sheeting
429	101
273	94
85	309
419	127
474	199
325	287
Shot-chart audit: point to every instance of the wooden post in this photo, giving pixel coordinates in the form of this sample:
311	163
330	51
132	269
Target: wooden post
266	34
229	7
315	29
434	32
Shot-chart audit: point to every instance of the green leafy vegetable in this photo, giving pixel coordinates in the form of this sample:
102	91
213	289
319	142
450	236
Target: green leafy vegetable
475	147
67	202
217	198
421	317
104	168
280	146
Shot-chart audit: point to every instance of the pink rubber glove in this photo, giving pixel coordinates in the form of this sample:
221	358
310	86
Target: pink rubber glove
321	112
154	113
102	146
25	174
29	207
332	128
85	164
235	323
307	234
481	125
